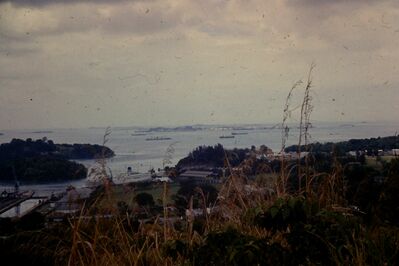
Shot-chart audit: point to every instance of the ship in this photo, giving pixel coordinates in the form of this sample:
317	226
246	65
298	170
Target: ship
42	132
157	138
226	137
239	133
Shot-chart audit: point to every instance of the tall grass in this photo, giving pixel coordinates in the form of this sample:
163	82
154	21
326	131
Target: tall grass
282	182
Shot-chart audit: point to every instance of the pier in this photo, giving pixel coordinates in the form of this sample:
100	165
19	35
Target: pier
19	206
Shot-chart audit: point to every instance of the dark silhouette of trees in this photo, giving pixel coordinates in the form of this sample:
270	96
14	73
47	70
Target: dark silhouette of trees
372	146
42	160
213	156
41	169
18	148
190	189
144	199
388	205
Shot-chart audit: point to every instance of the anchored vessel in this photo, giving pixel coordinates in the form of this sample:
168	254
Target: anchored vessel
157	138
226	137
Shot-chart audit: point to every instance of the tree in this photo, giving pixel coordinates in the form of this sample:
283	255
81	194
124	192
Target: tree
388	207
144	199
123	208
189	189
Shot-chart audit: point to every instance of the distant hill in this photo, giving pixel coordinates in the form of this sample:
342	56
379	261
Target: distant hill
43	161
41	168
18	148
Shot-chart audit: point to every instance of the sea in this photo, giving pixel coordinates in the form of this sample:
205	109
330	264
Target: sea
133	148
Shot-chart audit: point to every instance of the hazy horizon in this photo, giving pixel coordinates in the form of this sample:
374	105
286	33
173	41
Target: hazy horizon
248	124
86	63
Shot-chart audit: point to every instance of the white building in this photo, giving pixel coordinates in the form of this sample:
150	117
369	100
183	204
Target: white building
395	152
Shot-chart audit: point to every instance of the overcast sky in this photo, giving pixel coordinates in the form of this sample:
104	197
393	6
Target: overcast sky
173	62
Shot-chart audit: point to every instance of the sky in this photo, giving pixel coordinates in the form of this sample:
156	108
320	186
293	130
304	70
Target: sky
175	62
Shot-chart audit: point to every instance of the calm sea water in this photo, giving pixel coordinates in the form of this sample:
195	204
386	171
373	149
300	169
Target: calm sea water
141	155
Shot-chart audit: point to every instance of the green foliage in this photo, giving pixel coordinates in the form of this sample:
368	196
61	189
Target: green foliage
283	213
175	249
372	145
84	151
123	208
392	168
31	221
18	149
144	199
286	230
189	189
42	160
42	168
231	247
388	204
213	156
361	189
314	235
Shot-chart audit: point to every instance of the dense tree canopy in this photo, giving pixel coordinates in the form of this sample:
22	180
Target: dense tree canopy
189	189
18	148
213	156
372	145
41	169
144	199
42	160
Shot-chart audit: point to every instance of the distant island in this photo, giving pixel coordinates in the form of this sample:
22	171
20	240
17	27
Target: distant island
43	161
138	134
170	129
42	132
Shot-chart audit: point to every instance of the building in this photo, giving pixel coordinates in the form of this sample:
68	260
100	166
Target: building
199	177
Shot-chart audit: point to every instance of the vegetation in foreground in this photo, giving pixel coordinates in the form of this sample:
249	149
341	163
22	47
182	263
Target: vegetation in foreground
342	217
323	209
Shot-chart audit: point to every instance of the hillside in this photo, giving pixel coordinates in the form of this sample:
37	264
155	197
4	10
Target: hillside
371	145
18	148
44	161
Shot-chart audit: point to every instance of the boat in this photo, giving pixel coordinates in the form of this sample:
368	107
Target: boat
157	138
134	176
42	132
226	137
239	133
138	134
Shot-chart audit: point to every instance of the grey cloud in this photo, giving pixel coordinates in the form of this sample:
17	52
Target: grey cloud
90	52
141	23
40	3
330	2
16	45
7	37
17	51
233	29
122	20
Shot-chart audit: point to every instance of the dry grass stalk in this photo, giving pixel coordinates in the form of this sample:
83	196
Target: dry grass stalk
282	182
304	125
